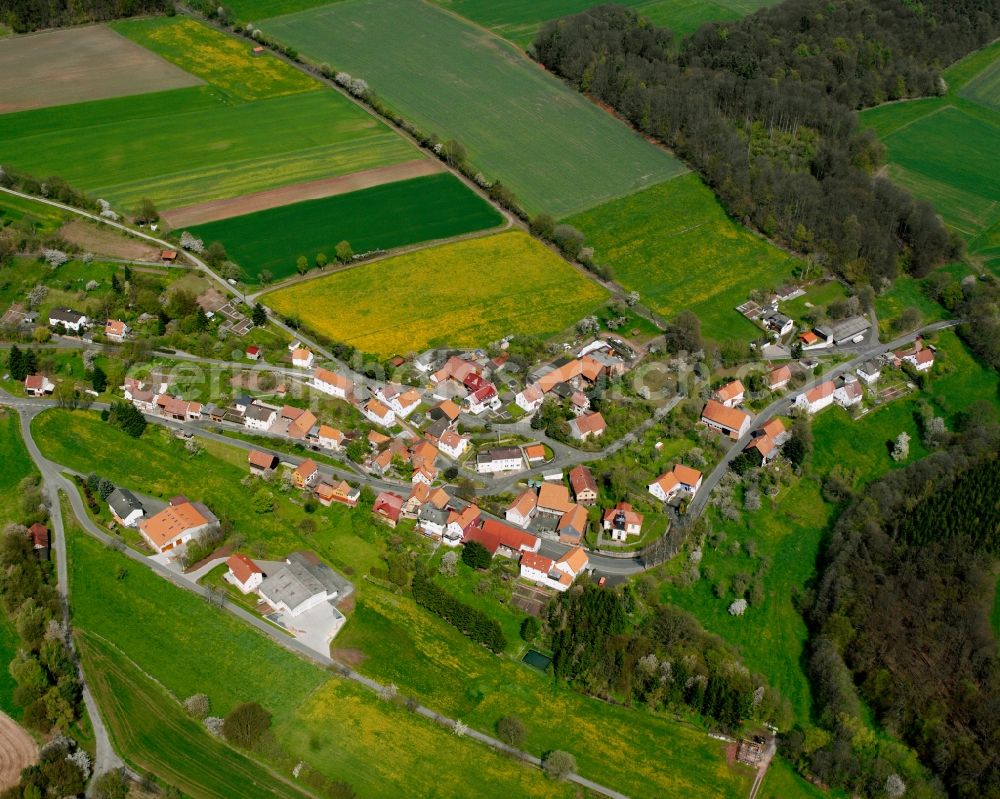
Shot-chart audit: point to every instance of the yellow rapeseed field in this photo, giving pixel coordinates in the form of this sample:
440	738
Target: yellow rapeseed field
464	294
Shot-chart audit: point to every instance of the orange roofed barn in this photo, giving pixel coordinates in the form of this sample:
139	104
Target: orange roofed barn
175	525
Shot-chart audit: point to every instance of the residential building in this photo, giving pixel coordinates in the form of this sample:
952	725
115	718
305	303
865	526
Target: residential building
38	535
553	499
177	408
331	383
259	417
501	538
305	474
530	398
181	521
918	356
455	368
433	521
776	322
731	421
452	444
579	403
680	478
71	320
778	378
243	573
460	522
583	484
125	507
425	473
730	394
329	437
378	413
299	585
558	574
590	425
403	403
302	358
300	427
38	386
818	398
621	522
342	492
523	510
253	352
534	453
388	507
446	409
870	372
689	479
848	392
115	330
572	525
483	399
502	459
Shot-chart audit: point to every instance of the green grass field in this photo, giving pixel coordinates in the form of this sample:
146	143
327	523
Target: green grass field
446	295
420	209
192	145
256	10
554	148
519	20
338	728
675	245
906	292
404	644
151	730
942	149
44	217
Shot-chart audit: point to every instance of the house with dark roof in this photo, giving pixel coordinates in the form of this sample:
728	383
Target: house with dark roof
125	507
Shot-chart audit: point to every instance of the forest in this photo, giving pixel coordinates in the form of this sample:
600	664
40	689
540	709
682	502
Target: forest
764	109
900	620
30	15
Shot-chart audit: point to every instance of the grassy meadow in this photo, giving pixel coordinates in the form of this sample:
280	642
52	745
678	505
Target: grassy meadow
420	209
943	150
191	145
676	246
555	149
187	646
44	218
519	20
906	292
445	295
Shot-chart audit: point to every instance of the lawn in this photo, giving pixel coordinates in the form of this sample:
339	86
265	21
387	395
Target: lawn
977	77
555	149
45	218
427	658
336	727
8	651
257	10
158	465
450	295
151	730
519	20
958	379
906	292
818	295
202	143
676	246
14	466
421	209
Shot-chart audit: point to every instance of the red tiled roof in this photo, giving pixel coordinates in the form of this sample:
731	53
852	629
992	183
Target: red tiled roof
581	479
730	391
731	418
242	567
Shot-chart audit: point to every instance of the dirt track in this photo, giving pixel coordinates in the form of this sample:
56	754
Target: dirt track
311	190
17	751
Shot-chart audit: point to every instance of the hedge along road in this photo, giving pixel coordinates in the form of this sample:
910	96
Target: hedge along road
55	481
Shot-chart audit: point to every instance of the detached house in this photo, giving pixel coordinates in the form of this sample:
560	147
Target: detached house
261	463
731	421
730	394
591	425
305	474
329	437
69	319
583	484
38	386
680	478
919	357
523	510
502	459
302	358
243	573
572	525
388	507
175	525
452	444
778	378
621	521
378	413
115	330
125	507
818	398
530	399
342	492
870	372
259	417
331	383
402	403
848	392
558	574
483	399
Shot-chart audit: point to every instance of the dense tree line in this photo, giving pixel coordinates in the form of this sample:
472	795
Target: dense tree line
469	621
764	109
901	616
30	15
666	661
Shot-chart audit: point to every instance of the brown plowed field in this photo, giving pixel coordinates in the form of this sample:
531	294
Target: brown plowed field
105	241
17	751
79	64
286	195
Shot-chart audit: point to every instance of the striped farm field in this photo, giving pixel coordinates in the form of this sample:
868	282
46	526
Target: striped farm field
380	218
552	146
208	142
675	245
464	294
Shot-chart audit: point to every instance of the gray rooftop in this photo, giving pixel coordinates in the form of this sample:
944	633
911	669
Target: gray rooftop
428	513
300	579
501	454
123	502
258	413
65	315
845	328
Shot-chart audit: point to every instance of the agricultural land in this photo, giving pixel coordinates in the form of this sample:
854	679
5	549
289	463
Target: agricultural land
71	66
943	150
190	145
422	209
519	20
557	151
445	296
675	245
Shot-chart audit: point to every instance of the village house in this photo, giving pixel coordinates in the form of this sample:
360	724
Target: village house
433	521
243	573
452	444
377	439
530	398
848	391
680	478
115	330
730	394
621	521
301	426
181	521
71	320
579	403
301	584
419	493
305	474
38	386
776	322
869	372
378	413
403	403
572	525
259	417
38	535
329	437
425	473
446	410
342	492
731	421
177	408
502	459
457	369
778	378
331	383
553	499
483	399
125	507
523	510
558	574
591	425
917	355
767	440
502	539
583	484
534	453
460	523
818	398
388	507
302	358
140	396
261	463
253	353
